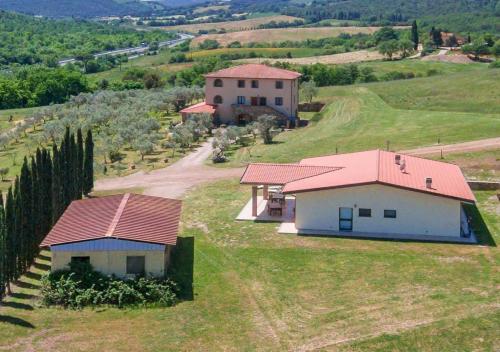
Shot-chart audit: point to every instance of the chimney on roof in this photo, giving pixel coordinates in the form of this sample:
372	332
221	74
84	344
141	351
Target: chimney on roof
402	165
428	182
397	159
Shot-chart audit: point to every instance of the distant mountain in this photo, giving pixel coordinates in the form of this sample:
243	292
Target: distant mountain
78	8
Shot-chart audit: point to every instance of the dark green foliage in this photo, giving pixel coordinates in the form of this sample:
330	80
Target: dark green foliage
82	286
10	240
57	191
35	86
414	34
44	41
3	255
79	171
88	165
40	195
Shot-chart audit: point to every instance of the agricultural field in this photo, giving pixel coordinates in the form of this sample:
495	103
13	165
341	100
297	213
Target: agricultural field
12	154
406	113
334	59
204	9
230	26
246	287
265	52
283	34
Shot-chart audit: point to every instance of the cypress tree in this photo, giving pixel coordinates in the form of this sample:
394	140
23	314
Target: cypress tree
57	199
80	157
73	169
20	242
47	210
37	190
88	164
65	165
27	223
3	273
414	34
10	240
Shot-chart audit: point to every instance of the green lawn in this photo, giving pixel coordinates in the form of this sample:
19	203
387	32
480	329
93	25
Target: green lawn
358	119
255	289
472	91
419	67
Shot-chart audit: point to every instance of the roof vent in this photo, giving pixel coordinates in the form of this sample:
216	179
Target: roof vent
428	182
402	165
397	159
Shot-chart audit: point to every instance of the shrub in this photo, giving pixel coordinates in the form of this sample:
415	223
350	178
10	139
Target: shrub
494	64
82	286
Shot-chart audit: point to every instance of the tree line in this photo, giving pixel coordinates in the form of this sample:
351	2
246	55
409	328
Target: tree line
48	183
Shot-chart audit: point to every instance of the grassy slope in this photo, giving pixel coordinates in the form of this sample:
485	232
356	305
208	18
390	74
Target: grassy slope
357	118
255	289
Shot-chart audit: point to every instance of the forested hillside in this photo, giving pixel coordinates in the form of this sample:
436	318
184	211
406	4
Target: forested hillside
401	10
76	8
27	40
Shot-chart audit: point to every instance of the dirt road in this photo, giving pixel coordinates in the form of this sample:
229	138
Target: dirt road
482	144
175	180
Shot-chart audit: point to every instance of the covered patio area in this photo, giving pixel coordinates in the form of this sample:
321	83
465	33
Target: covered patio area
272	204
268	207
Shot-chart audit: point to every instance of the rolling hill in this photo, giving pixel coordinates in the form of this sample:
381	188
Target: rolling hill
78	8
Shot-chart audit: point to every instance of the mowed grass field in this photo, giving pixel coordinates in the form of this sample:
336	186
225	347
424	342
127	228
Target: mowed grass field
408	114
282	34
257	290
230	26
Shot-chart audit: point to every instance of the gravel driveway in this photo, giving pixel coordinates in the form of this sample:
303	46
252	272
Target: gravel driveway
173	181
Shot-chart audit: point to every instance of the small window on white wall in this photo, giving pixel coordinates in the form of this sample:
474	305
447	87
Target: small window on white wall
390	214
365	213
218	83
136	264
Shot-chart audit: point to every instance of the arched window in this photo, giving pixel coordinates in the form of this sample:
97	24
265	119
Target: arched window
218	83
217	99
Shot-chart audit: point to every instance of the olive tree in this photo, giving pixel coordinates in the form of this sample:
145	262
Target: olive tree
265	124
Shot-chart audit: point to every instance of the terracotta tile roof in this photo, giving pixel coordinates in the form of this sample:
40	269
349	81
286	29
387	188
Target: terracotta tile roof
199	108
254	71
280	174
127	216
378	166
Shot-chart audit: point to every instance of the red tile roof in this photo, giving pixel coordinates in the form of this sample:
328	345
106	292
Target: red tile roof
280	174
127	216
254	71
200	108
379	167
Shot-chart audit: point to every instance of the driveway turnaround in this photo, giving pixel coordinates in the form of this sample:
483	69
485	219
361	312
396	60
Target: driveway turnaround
172	181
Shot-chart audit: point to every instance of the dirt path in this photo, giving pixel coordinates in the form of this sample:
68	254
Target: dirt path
175	180
482	144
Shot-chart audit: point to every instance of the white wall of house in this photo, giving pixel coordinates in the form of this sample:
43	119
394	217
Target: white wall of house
115	262
267	88
416	213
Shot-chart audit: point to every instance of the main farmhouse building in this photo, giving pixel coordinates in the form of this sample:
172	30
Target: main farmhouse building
240	94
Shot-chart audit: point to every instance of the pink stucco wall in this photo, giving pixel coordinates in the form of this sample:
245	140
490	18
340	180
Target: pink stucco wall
267	88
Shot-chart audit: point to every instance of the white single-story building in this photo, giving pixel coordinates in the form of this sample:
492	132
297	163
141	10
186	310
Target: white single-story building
125	235
366	194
